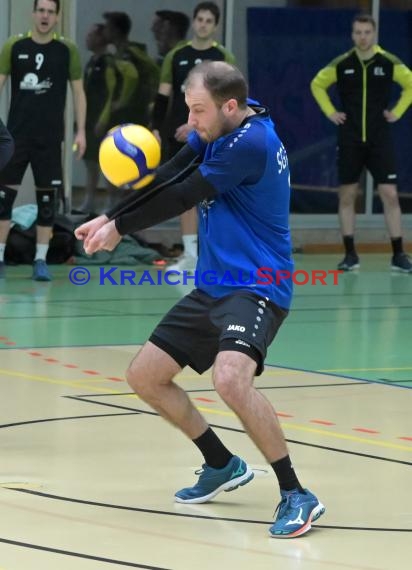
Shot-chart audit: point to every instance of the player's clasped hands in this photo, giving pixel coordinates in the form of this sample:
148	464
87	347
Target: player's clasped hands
98	234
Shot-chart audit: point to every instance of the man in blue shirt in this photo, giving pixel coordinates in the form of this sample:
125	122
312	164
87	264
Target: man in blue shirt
242	190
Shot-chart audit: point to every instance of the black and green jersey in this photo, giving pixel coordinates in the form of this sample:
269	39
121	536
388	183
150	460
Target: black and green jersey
175	69
148	81
39	74
364	89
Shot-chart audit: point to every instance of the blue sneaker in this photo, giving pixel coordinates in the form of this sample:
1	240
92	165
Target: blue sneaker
213	481
296	513
41	271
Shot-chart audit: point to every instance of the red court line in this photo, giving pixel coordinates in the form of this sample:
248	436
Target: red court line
207	400
365	430
322	422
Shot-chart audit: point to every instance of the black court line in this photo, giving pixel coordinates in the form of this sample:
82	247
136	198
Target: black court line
342	294
201	390
351	308
238	430
346	384
145	314
185	515
398	381
79	555
33	301
98	315
334	375
44	420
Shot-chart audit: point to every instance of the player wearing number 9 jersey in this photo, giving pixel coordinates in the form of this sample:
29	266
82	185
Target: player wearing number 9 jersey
40	64
39	76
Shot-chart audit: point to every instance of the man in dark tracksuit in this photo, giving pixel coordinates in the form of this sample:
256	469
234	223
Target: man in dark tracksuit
364	78
6	152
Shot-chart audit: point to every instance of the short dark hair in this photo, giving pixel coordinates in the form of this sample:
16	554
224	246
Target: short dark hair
364	18
178	20
223	81
57	2
120	20
99	28
211	6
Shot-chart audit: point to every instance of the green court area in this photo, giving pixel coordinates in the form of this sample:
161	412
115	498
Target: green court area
360	327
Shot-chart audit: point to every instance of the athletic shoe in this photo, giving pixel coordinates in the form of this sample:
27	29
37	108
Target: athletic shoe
349	262
2	270
41	271
296	513
213	481
185	263
402	262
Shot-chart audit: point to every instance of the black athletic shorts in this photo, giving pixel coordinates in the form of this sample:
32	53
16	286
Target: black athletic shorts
200	326
45	158
378	158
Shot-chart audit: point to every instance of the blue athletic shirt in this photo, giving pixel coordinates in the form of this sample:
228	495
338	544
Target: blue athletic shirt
246	227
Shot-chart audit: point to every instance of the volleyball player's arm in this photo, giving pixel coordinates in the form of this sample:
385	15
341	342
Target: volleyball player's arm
79	104
104	117
6	145
3	79
167	171
161	104
179	198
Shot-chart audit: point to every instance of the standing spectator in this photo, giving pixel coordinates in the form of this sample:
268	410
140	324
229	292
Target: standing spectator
169	29
6	152
40	63
117	30
175	69
109	84
364	77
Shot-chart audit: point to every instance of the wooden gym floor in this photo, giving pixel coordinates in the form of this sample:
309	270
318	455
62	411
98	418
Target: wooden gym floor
88	471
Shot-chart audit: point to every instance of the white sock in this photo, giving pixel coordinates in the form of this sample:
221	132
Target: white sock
41	251
2	249
190	244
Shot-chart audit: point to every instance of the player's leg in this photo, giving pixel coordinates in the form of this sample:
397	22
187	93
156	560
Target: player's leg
239	359
46	162
92	180
150	375
382	165
10	180
350	165
185	336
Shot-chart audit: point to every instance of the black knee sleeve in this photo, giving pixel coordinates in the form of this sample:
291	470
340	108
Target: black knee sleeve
7	197
46	204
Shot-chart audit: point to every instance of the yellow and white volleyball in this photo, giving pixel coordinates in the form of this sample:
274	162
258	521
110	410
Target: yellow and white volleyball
129	155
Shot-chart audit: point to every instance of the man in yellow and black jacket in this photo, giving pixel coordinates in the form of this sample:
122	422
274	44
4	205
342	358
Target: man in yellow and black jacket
364	77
